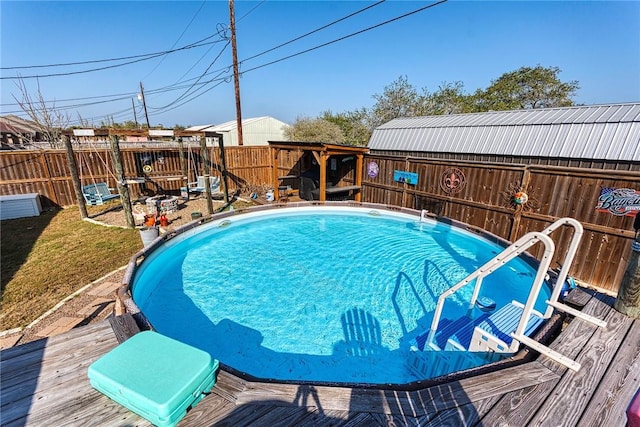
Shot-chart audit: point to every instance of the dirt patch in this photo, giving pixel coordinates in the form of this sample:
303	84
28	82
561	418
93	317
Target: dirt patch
115	216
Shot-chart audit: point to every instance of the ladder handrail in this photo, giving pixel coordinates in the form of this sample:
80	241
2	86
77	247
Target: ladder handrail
568	259
512	251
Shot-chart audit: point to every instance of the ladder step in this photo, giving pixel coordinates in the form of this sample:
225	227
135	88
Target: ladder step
504	322
459	331
461	337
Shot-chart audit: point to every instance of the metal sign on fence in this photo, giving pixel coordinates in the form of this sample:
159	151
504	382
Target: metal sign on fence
452	180
619	201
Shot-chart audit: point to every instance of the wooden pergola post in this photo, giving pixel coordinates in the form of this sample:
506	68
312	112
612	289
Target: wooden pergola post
323	175
274	172
358	178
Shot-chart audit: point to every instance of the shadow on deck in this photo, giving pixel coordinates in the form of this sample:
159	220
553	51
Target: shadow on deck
45	383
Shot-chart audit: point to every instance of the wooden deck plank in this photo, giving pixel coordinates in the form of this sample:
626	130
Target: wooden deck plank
572	394
19	351
228	386
90	409
479	388
208	410
54	368
242	415
32	365
286	416
464	415
57	380
516	408
622	379
55	389
363	419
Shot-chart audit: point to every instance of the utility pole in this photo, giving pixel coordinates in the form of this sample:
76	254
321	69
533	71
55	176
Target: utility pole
135	116
232	26
144	104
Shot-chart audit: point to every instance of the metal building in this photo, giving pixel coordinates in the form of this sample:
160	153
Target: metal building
255	131
593	136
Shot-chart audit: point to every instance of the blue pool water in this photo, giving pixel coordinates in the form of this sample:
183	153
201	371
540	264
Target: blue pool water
317	293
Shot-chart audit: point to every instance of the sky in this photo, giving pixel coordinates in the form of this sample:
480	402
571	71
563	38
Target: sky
298	59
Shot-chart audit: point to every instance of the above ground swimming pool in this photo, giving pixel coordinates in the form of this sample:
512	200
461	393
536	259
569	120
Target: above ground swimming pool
317	293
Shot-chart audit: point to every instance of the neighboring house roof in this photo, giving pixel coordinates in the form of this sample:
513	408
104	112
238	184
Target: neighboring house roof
16	125
228	126
199	128
610	132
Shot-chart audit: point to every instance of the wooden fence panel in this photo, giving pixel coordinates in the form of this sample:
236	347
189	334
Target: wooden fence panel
486	202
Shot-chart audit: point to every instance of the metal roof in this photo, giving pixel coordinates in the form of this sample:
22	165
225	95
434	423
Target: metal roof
229	126
609	132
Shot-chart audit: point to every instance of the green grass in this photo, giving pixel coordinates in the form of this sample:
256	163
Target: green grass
44	259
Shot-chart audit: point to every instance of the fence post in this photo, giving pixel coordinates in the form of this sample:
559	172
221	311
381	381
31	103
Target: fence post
122	183
207	173
628	300
75	178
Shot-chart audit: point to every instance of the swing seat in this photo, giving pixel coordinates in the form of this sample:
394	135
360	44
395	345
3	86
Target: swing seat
199	186
98	193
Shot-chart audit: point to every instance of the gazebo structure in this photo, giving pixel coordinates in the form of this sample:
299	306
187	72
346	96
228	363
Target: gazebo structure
335	169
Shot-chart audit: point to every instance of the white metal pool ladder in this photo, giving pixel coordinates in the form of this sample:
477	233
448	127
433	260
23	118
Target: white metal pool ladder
512	251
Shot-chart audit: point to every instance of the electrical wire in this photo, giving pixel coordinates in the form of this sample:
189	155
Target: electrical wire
186	92
220	32
316	30
95	61
220	81
176	42
249	12
343	37
91	70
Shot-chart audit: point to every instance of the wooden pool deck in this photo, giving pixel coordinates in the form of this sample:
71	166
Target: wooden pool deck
45	383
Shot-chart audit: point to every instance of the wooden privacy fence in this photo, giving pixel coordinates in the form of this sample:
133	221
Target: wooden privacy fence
482	199
485	200
148	170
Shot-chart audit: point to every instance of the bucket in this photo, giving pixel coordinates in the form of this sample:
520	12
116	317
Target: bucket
270	196
148	235
196	215
184	193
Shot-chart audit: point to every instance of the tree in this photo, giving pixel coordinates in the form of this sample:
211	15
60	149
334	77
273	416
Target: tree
527	88
354	125
399	99
305	129
449	99
49	121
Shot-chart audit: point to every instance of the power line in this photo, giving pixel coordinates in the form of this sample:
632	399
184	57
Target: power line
221	34
344	37
178	39
110	59
186	92
220	71
91	70
250	11
316	30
